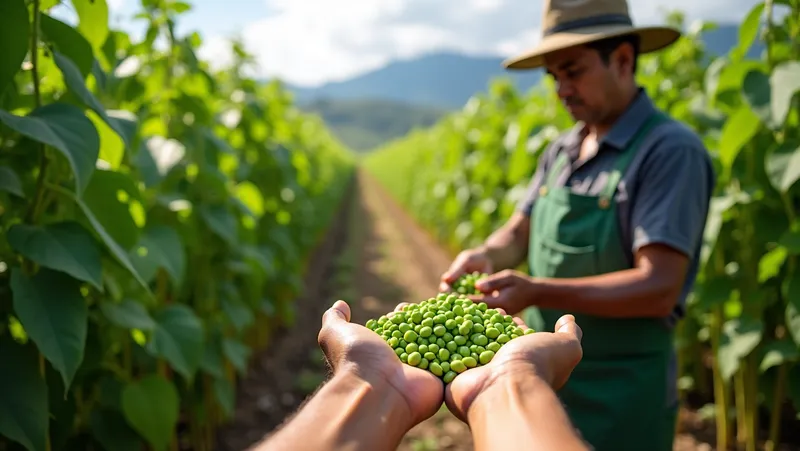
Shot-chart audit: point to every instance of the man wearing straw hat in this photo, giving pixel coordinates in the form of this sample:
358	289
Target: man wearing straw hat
611	228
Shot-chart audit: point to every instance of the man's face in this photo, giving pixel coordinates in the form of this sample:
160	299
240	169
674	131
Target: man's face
589	88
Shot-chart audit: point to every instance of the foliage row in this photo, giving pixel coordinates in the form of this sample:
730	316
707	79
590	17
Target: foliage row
463	177
156	217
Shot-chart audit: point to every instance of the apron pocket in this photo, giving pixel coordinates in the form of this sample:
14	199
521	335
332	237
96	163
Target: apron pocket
562	260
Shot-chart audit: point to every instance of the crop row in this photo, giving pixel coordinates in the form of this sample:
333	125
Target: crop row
156	219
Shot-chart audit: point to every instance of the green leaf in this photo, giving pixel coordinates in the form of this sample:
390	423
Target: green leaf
63	246
777	353
220	221
23	396
225	395
770	264
757	91
128	314
52	310
116	250
179	338
785	82
160	247
93	21
111	430
151	407
75	83
783	166
748	30
237	353
740	338
69	42
9	181
793	321
738	130
112	196
66	128
14	40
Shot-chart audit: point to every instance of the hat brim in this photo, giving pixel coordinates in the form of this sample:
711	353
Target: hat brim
652	39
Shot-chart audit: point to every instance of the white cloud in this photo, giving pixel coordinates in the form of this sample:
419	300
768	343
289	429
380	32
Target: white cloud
314	41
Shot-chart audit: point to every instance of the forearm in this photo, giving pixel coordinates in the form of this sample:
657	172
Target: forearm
347	413
623	294
507	247
522	411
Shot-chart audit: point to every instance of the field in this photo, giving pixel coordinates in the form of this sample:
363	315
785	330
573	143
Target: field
172	234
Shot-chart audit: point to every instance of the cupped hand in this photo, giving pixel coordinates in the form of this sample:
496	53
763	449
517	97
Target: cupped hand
548	356
353	347
509	290
466	262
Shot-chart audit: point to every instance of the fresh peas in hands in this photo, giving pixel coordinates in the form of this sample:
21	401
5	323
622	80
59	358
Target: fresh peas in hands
465	284
446	335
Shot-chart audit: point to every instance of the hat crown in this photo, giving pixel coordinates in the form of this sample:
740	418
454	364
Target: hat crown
566	15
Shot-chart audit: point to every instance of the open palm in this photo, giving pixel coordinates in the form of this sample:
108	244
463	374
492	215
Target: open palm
349	345
551	356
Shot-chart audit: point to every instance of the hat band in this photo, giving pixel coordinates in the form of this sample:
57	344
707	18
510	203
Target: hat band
605	19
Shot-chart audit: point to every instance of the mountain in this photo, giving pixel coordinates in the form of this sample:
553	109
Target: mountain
365	124
448	80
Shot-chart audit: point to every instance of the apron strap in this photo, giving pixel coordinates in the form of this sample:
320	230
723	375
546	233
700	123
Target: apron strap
627	156
555	171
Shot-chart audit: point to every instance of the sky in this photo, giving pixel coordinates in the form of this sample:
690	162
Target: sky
311	42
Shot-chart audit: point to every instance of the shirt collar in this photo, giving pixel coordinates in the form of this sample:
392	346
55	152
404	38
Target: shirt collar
623	130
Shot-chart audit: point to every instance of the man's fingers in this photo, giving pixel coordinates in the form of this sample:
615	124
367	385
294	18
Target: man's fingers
494	282
567	324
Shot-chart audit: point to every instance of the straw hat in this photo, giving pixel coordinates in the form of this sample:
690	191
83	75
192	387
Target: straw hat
568	23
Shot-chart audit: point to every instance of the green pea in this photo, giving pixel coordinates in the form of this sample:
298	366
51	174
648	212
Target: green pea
492	333
417	328
494	346
503	339
439	330
429	355
458	366
425	331
482	306
397	319
423	349
416	317
450	324
529	331
474	355
444	354
460	340
436	369
473	348
458	310
513	336
486	357
397	334
428	315
441	342
404	357
410	336
465	328
414	358
452	346
383	319
497	318
399	351
402	343
449	377
371	324
500	326
412	347
480	340
433	347
439	319
463	350
470	362
393	342
447	337
427	322
445	366
508	319
478	328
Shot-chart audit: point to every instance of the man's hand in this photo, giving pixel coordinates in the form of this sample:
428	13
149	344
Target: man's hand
545	356
509	290
353	348
466	262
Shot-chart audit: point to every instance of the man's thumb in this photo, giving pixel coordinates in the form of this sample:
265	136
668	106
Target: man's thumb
338	311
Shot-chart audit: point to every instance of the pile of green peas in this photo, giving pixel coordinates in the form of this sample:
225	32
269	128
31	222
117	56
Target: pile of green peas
465	284
447	335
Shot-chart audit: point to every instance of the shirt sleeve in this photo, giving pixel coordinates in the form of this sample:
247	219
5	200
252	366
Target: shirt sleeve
671	204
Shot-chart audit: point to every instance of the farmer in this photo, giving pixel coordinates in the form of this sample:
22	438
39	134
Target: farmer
610	228
373	398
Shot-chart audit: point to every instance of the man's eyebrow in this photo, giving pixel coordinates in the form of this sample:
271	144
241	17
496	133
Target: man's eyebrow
563	66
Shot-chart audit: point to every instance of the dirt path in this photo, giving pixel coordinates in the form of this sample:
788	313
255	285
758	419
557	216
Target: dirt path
374	257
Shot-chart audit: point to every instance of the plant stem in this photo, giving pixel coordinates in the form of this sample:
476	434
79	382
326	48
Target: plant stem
775	416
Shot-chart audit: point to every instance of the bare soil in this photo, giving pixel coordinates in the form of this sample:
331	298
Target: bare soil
374	257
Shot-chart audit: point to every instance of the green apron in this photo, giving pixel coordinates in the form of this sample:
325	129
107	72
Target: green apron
617	395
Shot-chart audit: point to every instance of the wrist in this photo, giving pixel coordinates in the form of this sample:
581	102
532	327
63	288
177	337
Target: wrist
514	380
378	390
